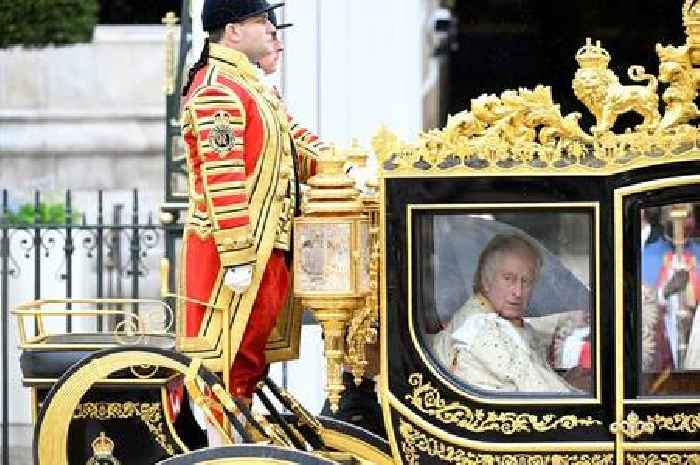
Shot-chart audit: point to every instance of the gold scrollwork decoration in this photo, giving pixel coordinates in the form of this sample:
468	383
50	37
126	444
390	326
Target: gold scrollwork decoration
525	130
678	423
363	325
633	426
428	400
415	442
662	459
150	414
361	332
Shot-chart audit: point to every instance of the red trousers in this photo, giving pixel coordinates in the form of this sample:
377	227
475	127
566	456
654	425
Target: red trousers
249	365
202	265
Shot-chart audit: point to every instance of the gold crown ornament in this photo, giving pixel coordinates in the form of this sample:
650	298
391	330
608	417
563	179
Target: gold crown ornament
671	53
102	448
691	12
691	21
592	56
102	445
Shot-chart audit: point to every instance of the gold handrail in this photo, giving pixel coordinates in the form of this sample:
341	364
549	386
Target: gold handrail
37	309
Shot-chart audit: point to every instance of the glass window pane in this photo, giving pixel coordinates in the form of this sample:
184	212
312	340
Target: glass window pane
506	301
324	259
670	287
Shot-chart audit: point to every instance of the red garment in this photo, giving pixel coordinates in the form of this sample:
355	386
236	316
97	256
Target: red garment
584	357
242	191
249	366
689	263
241	188
663	357
201	259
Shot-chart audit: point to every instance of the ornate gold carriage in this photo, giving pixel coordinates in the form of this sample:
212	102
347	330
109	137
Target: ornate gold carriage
612	214
605	365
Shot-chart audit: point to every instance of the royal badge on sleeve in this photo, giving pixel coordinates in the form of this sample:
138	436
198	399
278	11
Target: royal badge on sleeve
221	135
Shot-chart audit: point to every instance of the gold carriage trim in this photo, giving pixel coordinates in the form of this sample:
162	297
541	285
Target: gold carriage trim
662	459
524	132
414	442
150	414
678	423
428	400
633	426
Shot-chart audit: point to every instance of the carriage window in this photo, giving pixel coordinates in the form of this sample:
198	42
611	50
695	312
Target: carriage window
505	298
670	289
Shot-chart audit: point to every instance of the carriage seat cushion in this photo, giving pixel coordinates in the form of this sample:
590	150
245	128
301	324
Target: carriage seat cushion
43	364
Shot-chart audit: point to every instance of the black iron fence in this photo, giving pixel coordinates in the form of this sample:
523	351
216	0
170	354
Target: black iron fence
114	240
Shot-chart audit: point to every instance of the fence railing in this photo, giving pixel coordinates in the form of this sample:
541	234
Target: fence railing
41	245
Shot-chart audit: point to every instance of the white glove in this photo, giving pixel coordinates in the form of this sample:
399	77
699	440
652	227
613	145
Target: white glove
360	175
238	278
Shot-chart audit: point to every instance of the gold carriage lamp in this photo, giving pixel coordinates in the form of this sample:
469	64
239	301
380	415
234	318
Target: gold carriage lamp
331	261
356	155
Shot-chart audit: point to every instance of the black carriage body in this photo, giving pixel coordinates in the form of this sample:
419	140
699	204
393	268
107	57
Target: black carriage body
434	417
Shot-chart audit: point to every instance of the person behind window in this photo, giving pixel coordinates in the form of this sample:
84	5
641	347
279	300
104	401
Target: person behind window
677	298
656	350
488	343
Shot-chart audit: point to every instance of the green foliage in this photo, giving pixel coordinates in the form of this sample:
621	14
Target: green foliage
42	22
49	214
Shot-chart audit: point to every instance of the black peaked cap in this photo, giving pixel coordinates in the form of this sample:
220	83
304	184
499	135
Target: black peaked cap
218	13
273	20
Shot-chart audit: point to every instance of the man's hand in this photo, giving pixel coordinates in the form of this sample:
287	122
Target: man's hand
238	278
678	282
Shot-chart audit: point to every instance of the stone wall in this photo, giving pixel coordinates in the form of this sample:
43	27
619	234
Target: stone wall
82	117
87	116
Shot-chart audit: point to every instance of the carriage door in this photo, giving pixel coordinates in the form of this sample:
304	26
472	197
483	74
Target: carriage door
657	330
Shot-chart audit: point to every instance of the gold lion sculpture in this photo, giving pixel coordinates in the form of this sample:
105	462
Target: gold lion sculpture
600	90
607	99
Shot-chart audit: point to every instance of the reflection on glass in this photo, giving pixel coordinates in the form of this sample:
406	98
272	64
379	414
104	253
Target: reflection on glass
670	330
510	315
324	264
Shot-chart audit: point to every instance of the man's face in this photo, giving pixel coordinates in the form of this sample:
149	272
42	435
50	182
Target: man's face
270	62
254	37
510	284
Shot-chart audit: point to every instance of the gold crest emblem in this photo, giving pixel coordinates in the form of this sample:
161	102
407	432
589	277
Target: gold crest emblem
221	135
102	448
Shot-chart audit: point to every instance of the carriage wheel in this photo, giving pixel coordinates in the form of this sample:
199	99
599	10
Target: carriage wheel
248	454
51	436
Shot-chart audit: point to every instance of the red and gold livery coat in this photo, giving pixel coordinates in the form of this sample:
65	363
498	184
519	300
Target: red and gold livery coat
242	198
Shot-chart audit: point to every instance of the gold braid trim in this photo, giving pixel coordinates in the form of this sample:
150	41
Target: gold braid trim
428	400
415	443
662	459
150	413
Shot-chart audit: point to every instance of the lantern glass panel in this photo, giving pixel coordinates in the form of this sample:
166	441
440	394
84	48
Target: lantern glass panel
363	271
322	258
